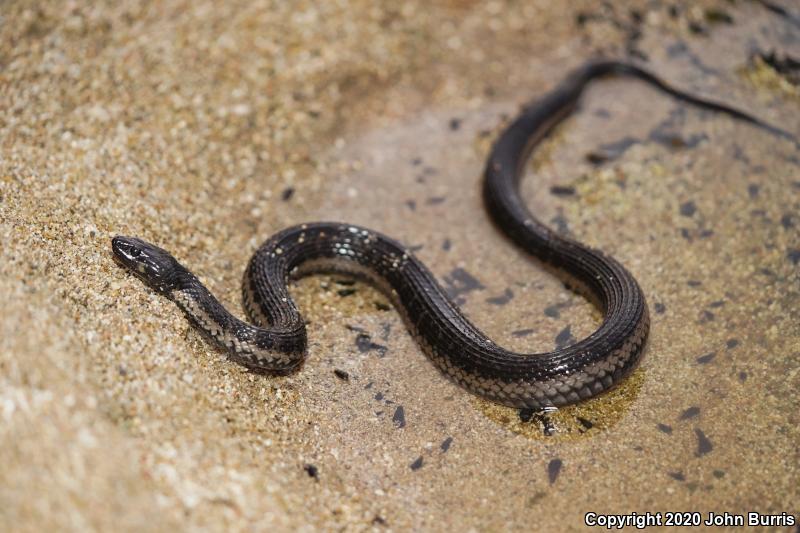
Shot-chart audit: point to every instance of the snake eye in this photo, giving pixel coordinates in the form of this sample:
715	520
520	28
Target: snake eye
135	252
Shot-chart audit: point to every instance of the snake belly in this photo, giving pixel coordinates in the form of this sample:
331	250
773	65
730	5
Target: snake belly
275	339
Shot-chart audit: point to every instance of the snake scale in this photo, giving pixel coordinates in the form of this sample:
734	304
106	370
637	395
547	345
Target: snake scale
275	339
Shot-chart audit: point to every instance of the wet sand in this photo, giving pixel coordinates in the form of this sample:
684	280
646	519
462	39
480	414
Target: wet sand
206	127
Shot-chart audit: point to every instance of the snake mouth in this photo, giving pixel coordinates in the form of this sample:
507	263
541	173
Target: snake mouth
115	253
131	269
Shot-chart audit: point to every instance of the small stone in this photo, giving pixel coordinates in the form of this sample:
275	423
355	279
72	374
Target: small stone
562	190
690	413
564	338
707	358
704	445
445	445
553	469
399	417
688	208
312	471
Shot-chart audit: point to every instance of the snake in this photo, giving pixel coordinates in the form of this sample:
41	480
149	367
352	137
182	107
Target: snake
274	339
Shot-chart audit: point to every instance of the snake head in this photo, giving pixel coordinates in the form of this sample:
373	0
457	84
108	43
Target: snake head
153	265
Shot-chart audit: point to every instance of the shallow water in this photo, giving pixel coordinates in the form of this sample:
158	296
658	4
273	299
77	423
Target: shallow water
206	129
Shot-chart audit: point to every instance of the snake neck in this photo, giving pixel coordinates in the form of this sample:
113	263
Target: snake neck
258	346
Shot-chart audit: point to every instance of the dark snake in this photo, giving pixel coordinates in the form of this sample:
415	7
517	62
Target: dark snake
275	340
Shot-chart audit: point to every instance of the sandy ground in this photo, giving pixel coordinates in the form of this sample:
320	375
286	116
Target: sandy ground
207	126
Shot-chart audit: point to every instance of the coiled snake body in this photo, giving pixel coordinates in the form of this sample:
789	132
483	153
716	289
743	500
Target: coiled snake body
276	341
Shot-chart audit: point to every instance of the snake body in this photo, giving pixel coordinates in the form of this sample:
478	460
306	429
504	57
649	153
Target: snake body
275	338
